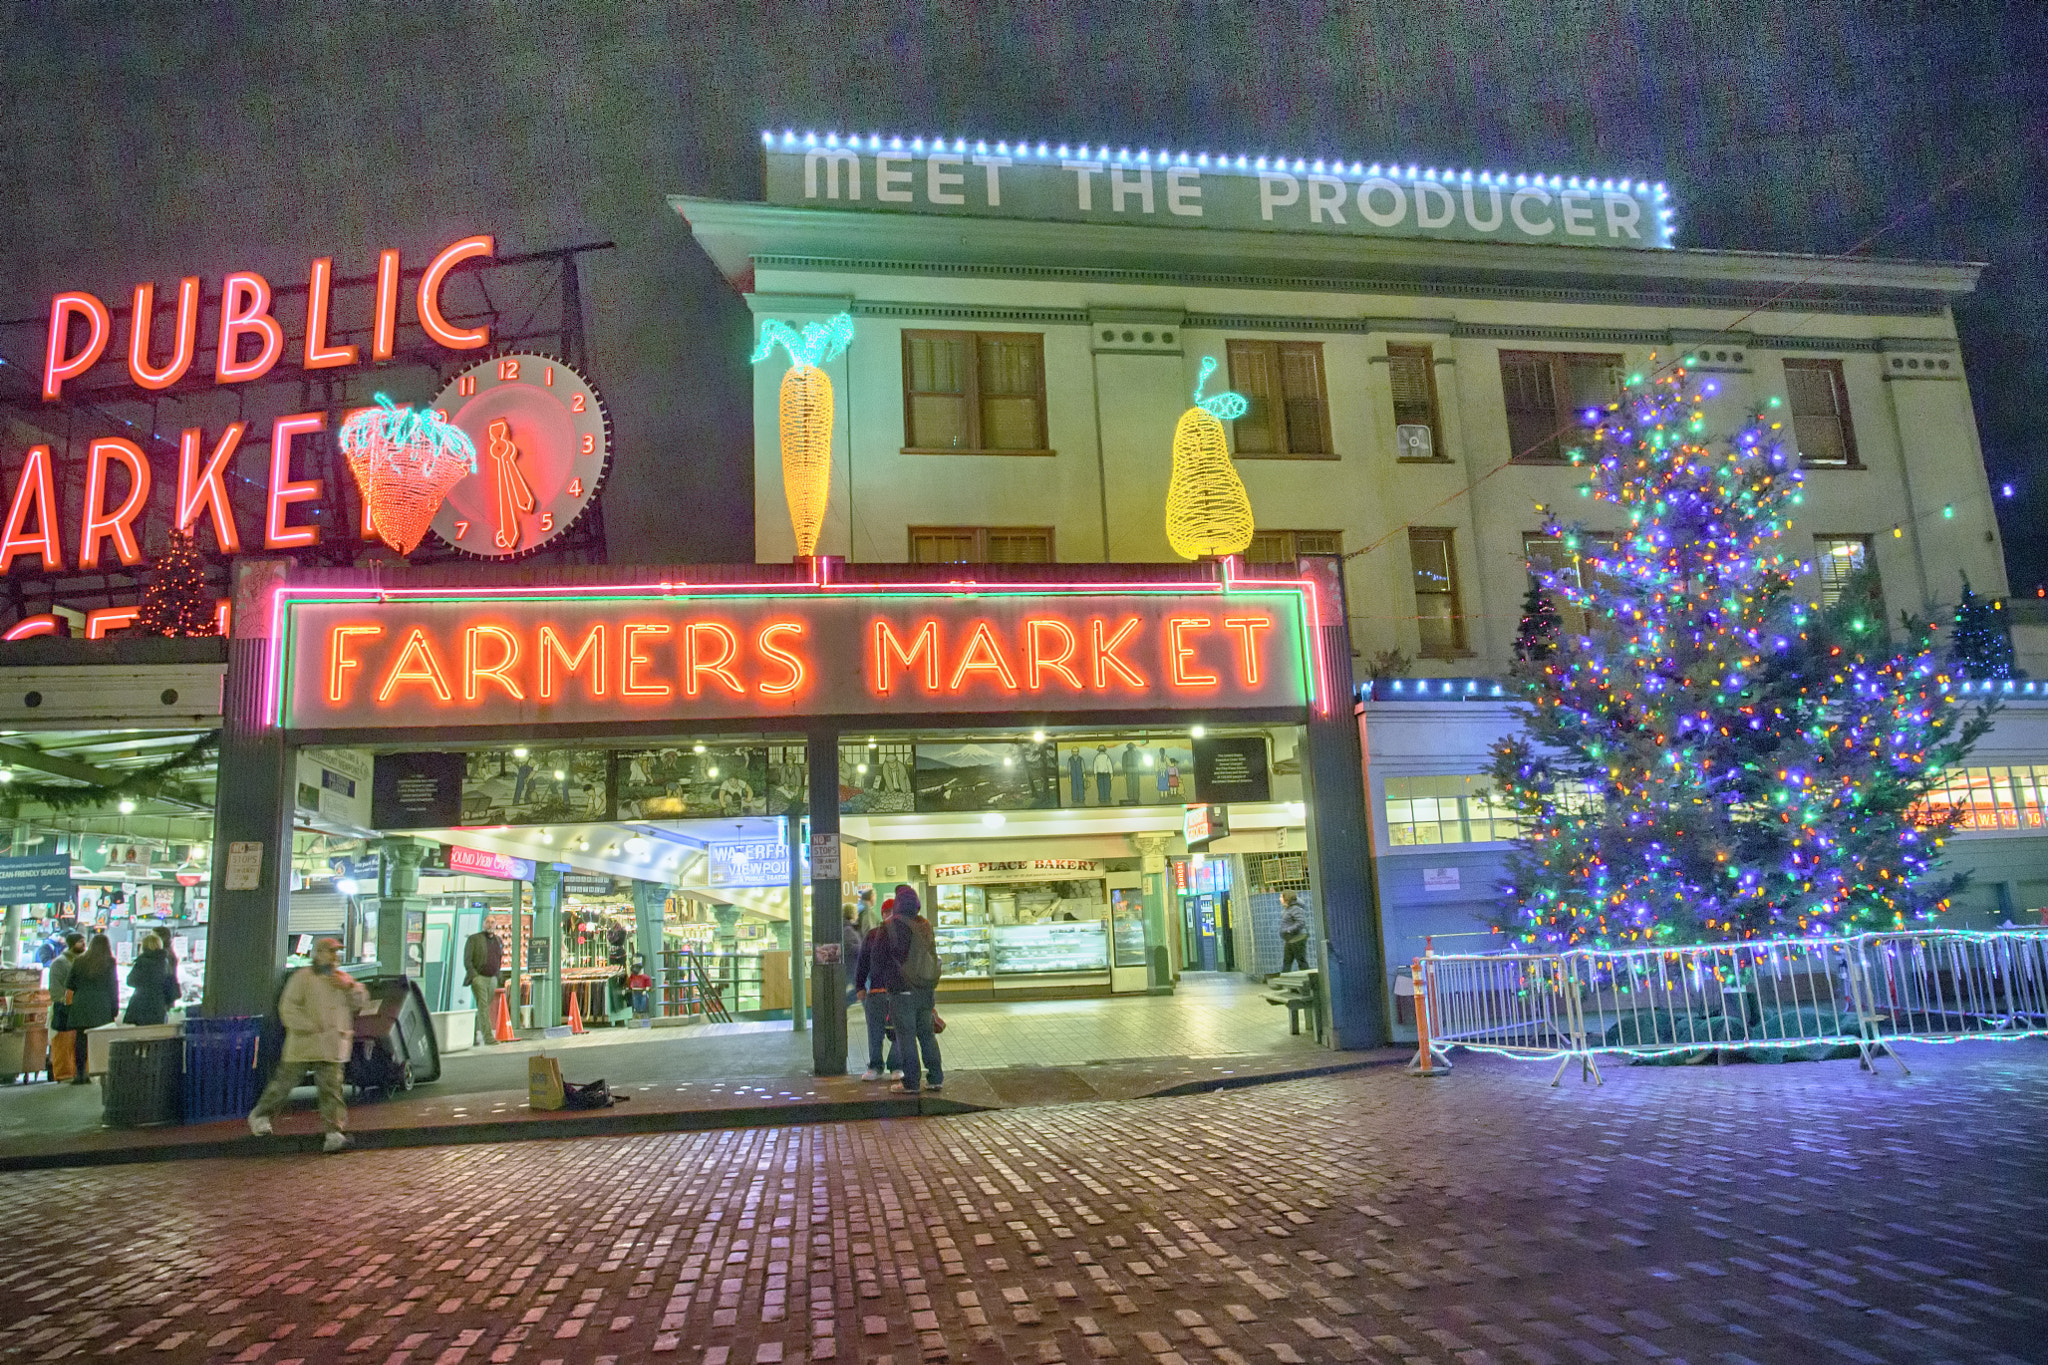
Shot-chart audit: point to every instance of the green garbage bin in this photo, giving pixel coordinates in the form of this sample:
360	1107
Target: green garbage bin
144	1084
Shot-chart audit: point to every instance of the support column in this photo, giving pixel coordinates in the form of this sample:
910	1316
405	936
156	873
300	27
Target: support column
10	939
515	956
1152	867
1355	982
398	897
547	938
828	1032
245	937
793	838
650	900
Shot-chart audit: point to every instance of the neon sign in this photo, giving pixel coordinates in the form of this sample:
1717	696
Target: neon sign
393	659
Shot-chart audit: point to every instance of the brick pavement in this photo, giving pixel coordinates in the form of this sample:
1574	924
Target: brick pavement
1800	1212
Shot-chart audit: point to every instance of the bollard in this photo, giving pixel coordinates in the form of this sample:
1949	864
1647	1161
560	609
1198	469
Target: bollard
1426	1062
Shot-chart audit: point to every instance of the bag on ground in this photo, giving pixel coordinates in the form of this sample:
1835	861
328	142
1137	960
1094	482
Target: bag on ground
544	1083
63	1059
596	1095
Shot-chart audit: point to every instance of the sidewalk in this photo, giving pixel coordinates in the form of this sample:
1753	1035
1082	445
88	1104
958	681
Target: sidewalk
1214	1034
59	1125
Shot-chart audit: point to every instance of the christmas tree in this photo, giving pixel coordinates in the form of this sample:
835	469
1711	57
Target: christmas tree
1981	642
178	600
1536	635
1715	759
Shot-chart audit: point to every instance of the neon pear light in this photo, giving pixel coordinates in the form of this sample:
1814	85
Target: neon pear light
806	409
1207	510
405	461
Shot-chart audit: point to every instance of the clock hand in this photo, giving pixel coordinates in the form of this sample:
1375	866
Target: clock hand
514	495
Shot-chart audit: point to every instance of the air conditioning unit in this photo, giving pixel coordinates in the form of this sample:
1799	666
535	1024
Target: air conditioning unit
1412	442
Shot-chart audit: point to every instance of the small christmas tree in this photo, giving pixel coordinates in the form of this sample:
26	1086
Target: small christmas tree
1536	636
178	601
1981	642
1714	759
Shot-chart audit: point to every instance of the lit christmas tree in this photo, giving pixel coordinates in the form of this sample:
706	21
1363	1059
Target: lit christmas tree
1714	759
177	600
1981	642
1536	635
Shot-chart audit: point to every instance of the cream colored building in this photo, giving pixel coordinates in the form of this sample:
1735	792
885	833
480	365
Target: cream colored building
1013	384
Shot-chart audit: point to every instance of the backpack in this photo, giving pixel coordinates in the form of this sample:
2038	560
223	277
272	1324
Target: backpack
920	957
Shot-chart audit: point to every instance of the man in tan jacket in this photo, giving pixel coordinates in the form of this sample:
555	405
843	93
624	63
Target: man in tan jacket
319	1008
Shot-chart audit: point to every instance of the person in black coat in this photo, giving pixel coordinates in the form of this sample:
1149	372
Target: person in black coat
152	987
91	998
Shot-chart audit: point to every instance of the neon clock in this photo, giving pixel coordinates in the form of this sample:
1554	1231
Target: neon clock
543	442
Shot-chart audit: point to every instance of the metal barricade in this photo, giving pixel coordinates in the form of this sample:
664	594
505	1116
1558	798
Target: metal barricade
1862	992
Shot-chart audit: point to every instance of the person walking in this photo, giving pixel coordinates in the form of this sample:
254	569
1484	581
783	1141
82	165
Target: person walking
69	949
318	1009
152	990
483	957
1293	934
874	1000
909	967
91	999
850	939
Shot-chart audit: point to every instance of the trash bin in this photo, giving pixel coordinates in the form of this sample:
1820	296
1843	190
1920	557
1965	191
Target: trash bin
222	1074
144	1082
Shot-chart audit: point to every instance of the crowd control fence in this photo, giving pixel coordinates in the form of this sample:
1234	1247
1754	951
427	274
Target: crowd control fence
1774	997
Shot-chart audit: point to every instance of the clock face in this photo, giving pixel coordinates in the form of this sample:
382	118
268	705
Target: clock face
542	445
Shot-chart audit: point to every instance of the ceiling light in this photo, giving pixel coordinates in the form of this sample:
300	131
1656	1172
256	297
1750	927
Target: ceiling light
519	753
712	771
1038	736
546	837
127	806
1197	731
696	748
561	776
994	819
639	844
6	775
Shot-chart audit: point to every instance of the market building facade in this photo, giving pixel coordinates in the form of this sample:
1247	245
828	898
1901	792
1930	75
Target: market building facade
1103	767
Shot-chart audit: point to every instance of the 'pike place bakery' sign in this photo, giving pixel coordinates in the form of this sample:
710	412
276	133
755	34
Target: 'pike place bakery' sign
158	342
502	657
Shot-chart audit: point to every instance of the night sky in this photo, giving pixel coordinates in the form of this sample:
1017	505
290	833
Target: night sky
154	141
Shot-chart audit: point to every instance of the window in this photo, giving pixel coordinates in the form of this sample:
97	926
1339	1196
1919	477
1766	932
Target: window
1445	810
974	391
1547	396
1439	622
1411	371
1837	559
1570	567
1820	413
1289	409
1284	547
1988	798
981	545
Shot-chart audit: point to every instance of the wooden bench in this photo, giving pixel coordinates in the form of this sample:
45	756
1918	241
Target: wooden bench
1298	991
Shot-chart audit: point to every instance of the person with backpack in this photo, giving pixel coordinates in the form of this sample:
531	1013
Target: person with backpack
483	957
909	968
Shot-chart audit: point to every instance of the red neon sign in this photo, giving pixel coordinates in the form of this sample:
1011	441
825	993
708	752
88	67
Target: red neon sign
506	656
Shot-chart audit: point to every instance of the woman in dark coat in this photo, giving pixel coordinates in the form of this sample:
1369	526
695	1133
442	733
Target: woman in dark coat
152	989
93	998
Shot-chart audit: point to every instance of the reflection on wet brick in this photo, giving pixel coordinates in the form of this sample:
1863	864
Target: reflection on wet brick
1799	1213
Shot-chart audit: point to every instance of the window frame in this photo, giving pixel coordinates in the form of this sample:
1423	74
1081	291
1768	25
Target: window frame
1232	347
980	535
1574	620
1820	556
1564	415
1838	381
1291	542
970	395
1447	536
1426	353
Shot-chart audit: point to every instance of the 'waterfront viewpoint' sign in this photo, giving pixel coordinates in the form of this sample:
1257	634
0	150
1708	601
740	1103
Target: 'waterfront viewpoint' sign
982	179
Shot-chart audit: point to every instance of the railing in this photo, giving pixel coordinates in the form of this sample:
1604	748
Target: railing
707	986
1865	992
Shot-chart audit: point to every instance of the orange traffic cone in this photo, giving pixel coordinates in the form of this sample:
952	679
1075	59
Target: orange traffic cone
501	1025
575	1012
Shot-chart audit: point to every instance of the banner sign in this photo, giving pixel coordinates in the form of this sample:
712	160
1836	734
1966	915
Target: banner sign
753	862
548	655
1016	870
1194	190
37	879
484	863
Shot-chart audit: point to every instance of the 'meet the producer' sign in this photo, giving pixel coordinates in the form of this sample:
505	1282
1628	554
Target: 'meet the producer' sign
1170	189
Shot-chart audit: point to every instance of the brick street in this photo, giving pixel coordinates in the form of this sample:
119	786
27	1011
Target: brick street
1748	1213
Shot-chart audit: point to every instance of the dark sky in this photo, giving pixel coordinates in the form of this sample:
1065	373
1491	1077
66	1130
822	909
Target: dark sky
157	140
